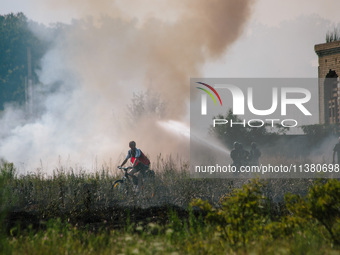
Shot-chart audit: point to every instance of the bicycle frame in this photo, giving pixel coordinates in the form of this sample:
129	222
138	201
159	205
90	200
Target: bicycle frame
125	184
128	184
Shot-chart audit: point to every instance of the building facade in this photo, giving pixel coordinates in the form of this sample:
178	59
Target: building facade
329	90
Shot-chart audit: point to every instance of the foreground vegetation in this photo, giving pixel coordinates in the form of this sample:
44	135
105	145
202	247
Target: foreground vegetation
78	214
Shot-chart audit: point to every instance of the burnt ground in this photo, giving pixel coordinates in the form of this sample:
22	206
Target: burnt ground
85	206
115	217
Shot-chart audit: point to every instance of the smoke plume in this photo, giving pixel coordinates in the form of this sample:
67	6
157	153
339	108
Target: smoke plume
97	62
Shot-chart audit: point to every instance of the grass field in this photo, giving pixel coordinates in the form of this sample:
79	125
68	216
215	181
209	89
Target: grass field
79	213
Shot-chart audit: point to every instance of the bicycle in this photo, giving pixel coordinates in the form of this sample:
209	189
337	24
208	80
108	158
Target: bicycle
128	184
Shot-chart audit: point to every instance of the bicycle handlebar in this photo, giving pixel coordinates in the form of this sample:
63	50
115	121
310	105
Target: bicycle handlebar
124	168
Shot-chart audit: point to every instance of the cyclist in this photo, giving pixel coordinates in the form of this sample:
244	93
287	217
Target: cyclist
140	163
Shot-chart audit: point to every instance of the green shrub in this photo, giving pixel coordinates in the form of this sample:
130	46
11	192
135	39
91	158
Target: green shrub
242	215
322	204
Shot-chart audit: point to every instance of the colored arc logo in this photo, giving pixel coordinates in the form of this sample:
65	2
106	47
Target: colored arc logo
207	91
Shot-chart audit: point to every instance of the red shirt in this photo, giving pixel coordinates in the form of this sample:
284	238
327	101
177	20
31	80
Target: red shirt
139	155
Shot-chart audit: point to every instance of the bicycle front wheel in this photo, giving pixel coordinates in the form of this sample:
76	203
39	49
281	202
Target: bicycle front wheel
120	189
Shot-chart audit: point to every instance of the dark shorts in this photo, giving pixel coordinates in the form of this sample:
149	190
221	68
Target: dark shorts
141	168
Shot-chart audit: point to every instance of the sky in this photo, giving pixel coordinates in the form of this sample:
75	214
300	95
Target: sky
156	45
279	40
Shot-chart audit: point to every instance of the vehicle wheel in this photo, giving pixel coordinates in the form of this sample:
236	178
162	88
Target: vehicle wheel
120	189
150	174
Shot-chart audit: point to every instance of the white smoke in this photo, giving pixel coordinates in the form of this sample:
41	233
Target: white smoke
93	68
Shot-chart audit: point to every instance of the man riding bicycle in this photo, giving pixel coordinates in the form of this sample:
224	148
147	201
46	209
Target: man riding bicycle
140	163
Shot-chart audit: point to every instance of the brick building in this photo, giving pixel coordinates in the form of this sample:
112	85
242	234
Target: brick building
329	90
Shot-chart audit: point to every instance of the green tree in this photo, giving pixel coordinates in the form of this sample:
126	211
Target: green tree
318	132
16	37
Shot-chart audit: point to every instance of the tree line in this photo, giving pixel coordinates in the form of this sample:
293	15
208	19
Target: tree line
16	36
